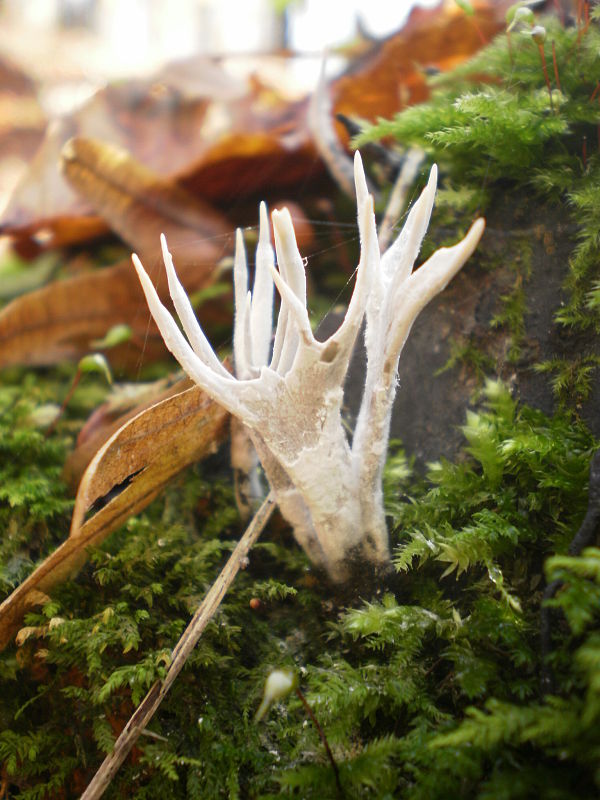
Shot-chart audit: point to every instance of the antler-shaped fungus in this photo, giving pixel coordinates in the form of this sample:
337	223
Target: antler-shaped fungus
330	491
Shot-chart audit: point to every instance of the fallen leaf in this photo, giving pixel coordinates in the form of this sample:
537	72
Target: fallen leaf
149	449
107	419
59	321
391	75
137	203
136	463
62	320
250	129
256	165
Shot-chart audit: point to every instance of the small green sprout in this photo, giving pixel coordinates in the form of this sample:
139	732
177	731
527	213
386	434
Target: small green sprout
95	363
279	684
118	334
465	6
538	34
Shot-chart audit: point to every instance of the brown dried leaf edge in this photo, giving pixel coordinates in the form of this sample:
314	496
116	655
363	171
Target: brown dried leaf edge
144	454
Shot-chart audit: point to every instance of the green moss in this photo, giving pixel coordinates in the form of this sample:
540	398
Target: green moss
571	378
33	501
492	128
467	353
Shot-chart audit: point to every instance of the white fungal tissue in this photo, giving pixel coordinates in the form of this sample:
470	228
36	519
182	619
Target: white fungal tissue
290	398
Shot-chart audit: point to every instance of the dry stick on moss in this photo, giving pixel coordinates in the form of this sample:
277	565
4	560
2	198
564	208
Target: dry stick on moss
145	711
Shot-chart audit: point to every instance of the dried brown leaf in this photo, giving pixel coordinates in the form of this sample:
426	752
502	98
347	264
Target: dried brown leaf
137	203
135	463
62	320
112	415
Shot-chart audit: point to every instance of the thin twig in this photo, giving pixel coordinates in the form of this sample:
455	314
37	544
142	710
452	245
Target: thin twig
397	202
320	125
587	531
321	733
145	711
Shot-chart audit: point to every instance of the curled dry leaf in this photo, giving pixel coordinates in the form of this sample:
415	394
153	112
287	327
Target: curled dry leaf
136	202
112	415
147	451
135	464
219	140
62	319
